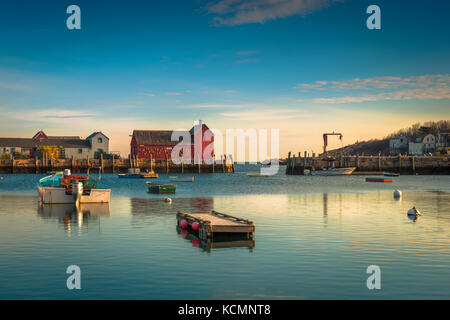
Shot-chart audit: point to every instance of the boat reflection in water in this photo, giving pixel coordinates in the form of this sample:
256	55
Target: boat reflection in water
71	215
218	242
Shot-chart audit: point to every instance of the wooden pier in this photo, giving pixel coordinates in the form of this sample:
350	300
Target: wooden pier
44	165
371	164
216	224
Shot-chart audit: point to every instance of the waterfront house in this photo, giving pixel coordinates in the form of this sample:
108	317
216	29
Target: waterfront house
398	144
416	148
429	142
158	144
423	144
57	146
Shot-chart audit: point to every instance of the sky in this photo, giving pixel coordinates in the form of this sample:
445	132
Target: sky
304	67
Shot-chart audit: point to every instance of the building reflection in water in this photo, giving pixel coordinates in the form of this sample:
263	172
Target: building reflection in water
152	206
72	216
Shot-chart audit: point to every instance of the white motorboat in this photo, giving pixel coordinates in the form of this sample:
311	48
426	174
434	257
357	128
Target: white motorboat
181	179
331	172
63	187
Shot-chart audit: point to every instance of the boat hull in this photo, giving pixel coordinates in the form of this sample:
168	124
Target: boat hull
59	195
333	172
379	179
129	176
161	188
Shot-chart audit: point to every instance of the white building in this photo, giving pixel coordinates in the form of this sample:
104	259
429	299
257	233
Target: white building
416	148
398	145
429	142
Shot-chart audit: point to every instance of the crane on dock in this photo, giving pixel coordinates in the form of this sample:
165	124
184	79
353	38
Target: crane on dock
325	140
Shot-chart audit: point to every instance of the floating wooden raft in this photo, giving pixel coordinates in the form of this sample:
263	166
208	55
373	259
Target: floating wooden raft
217	224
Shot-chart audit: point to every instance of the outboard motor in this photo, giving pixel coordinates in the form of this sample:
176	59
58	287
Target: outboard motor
77	191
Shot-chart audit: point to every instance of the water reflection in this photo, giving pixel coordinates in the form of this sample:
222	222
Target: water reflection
72	216
148	211
219	242
143	206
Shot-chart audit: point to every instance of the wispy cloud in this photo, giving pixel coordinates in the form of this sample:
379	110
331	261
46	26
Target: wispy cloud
384	88
174	93
13	86
245	53
215	106
250	60
51	115
147	94
380	83
263	114
236	12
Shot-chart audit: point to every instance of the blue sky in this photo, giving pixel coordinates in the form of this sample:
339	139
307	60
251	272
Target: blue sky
304	67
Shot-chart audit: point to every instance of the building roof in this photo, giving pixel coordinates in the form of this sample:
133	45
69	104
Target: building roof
31	143
154	137
95	133
195	128
65	143
17	142
63	137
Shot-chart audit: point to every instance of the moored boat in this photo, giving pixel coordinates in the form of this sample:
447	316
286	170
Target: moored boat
388	174
181	179
63	187
254	175
332	172
149	175
135	173
378	179
161	188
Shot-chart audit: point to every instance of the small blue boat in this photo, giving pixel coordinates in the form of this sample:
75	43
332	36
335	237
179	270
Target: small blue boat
129	176
391	174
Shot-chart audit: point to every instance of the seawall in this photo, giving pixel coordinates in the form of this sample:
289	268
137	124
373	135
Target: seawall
398	164
110	166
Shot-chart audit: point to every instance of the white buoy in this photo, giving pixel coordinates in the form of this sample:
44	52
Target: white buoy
397	194
414	212
168	200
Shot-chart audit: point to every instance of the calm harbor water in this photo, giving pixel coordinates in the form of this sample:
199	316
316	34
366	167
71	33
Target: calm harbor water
315	237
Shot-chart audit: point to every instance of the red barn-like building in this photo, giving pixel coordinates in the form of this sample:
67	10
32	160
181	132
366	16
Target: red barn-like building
158	143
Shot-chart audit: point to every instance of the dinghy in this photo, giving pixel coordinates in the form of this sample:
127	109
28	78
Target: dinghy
378	179
135	173
388	174
161	188
257	175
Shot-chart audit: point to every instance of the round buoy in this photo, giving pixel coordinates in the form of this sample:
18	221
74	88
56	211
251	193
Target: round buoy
195	225
413	212
397	194
196	243
168	200
183	223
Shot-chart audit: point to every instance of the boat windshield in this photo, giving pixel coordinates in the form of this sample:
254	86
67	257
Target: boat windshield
51	181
